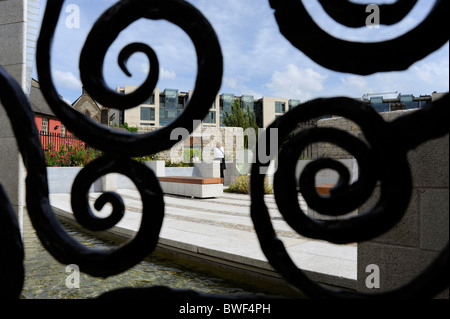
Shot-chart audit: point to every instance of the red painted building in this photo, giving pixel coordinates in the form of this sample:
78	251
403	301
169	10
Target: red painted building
49	126
46	121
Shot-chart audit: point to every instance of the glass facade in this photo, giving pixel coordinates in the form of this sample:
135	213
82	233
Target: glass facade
379	105
408	101
147	114
248	101
403	102
172	103
226	100
293	103
168	107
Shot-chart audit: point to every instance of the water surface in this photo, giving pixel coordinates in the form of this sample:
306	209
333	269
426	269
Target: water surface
45	278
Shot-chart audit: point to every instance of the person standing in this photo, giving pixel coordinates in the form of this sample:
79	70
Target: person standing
219	155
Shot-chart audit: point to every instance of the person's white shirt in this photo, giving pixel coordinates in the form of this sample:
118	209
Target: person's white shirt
218	152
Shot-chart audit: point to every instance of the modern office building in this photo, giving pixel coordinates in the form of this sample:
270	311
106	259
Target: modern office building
164	106
159	110
401	102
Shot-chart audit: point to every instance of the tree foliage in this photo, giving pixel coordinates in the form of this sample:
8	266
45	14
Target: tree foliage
240	118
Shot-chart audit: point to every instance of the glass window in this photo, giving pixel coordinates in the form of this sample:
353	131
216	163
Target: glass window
248	101
45	125
172	114
210	118
166	116
182	102
147	114
121	117
377	103
171	100
151	100
408	101
280	107
226	100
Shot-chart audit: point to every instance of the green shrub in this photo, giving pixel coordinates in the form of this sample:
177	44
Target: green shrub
129	129
178	164
146	158
241	185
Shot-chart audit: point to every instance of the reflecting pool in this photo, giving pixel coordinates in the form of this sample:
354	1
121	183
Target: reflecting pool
45	278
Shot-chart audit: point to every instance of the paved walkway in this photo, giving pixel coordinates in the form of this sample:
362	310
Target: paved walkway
222	229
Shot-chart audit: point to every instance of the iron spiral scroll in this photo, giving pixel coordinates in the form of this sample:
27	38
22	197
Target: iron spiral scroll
394	139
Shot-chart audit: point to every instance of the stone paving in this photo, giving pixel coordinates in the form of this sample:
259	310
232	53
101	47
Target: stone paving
221	228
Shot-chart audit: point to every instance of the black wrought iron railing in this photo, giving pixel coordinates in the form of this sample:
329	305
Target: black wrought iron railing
382	159
54	141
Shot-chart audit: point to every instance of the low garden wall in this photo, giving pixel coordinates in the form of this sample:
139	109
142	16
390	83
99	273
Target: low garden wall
61	178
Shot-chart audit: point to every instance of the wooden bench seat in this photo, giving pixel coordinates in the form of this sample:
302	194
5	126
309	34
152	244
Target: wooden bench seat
198	187
324	189
191	180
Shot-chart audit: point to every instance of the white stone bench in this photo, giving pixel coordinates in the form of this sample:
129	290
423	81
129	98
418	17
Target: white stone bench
198	187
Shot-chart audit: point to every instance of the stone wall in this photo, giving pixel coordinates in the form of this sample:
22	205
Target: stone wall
404	251
13	27
330	150
232	139
411	245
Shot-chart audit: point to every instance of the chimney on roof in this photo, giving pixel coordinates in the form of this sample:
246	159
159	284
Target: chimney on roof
84	92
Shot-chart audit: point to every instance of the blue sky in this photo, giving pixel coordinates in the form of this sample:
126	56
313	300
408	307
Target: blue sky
258	60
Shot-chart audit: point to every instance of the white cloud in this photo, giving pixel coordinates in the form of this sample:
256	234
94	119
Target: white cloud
237	86
230	82
436	73
355	84
296	83
167	74
66	79
163	73
258	59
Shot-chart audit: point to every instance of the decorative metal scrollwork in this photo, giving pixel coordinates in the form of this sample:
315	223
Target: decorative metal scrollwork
358	57
109	25
353	15
381	158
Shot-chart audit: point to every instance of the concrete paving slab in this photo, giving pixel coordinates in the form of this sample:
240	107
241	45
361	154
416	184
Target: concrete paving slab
221	229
